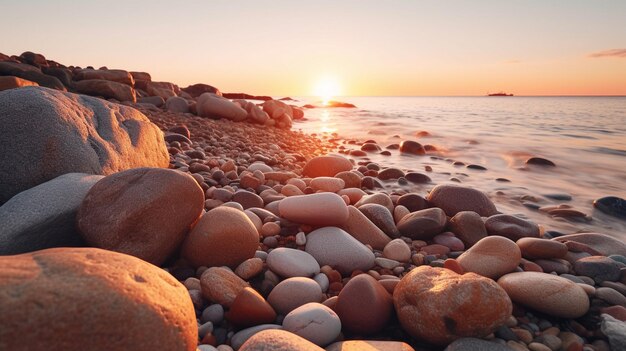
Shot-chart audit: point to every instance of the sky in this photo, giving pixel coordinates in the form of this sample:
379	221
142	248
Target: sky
357	47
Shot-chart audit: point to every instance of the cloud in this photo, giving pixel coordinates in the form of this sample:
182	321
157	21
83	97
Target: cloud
621	53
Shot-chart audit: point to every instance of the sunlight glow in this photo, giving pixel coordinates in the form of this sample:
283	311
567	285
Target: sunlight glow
326	88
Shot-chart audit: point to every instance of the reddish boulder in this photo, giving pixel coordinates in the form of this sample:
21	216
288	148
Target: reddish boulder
326	166
364	306
107	89
10	82
113	75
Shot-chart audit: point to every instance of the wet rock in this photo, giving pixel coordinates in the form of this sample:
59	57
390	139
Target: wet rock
533	248
326	166
424	224
469	227
539	161
611	205
600	268
381	217
602	244
417	178
454	199
390	173
412	147
511	227
412	202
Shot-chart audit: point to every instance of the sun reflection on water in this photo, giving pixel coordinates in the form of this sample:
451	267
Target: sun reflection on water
325	123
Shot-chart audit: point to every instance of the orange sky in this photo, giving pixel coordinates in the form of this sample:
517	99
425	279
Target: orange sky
368	47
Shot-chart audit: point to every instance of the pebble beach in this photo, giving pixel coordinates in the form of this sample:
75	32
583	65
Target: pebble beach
139	215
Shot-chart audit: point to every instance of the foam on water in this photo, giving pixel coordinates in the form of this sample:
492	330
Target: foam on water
584	136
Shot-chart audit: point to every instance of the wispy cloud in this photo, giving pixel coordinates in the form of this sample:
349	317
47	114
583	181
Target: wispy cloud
621	53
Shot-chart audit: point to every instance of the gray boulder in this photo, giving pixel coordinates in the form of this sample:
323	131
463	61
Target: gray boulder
615	330
46	133
44	216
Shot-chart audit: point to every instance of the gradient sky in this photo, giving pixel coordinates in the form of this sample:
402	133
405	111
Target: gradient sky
378	47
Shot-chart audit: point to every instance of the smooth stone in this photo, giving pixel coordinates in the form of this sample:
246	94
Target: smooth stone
290	263
600	268
450	241
615	331
399	212
292	293
61	133
321	209
439	306
364	230
611	205
369	345
247	199
604	244
533	248
44	216
511	227
377	198
412	202
177	104
539	161
222	237
326	166
554	265
278	340
390	173
11	82
329	184
106	89
221	285
417	178
611	296
249	268
239	338
491	257
94	300
249	309
546	293
474	344
381	217
454	199
424	224
412	147
213	313
322	280
314	322
361	291
338	249
214	106
351	179
260	166
469	227
126	212
397	250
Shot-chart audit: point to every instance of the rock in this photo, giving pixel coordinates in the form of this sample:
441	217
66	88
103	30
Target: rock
249	309
10	82
314	322
98	300
177	104
412	202
424	224
615	331
113	75
491	257
154	100
330	184
141	76
351	179
412	147
417	178
247	199
364	306
222	237
511	227
336	248
539	161
292	293
196	90
215	106
164	90
326	166
390	173
546	293
600	268
611	205
61	73
450	241
290	263
454	199
37	60
533	248
276	109
319	209
278	340
440	306
381	217
376	198
239	338
369	345
221	285
609	295
468	226
143	212
473	344
107	89
397	250
361	228
62	133
44	216
249	268
30	73
601	243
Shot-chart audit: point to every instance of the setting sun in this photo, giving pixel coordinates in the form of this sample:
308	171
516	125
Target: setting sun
327	88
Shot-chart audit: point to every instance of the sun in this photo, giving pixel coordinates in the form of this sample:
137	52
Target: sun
326	88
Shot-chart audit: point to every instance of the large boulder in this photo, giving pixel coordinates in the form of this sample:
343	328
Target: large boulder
113	75
31	73
11	82
215	106
162	89
440	306
44	216
107	89
92	299
143	212
54	133
199	89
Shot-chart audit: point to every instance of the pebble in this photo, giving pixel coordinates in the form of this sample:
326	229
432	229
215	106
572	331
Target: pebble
364	230
329	184
491	257
270	229
413	202
511	227
449	240
221	285
600	268
424	224
292	293
469	227
314	322
541	248
300	239
249	309
322	280
546	293
397	250
249	268
319	209
399	212
289	263
381	217
334	247
539	161
474	344
602	244
326	166
361	291
280	340
611	296
611	205
213	313
239	338
454	199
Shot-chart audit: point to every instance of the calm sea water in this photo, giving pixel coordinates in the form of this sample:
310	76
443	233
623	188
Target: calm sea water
584	136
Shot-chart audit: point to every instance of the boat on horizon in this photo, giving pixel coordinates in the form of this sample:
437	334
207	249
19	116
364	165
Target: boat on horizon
499	94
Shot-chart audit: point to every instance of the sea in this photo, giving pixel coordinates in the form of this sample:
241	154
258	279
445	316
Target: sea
584	136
